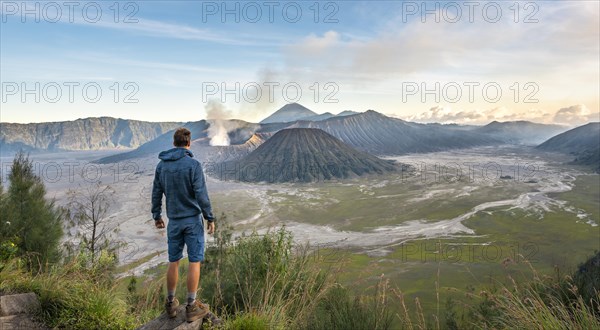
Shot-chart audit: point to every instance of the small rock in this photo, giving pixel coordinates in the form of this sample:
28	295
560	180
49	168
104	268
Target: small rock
163	322
19	322
18	304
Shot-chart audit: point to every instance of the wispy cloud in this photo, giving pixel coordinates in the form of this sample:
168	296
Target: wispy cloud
155	28
574	115
140	63
162	29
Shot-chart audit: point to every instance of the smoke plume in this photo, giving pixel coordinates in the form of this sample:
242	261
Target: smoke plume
216	114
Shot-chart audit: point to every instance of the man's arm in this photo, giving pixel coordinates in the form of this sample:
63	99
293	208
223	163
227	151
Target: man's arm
157	195
202	194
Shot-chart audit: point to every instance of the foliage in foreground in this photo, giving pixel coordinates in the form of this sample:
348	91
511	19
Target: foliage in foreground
73	295
265	282
29	223
543	302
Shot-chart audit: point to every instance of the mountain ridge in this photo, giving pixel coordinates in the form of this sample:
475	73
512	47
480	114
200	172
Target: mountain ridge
92	133
582	142
521	131
378	134
369	131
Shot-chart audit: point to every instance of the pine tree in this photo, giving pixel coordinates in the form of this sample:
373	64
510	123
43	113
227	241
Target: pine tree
28	218
3	223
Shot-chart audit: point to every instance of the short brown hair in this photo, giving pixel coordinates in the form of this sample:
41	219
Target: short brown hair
182	137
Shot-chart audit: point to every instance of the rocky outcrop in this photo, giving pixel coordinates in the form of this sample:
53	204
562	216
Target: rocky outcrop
16	312
163	322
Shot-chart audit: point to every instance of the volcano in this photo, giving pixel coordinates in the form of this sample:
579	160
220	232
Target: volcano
303	155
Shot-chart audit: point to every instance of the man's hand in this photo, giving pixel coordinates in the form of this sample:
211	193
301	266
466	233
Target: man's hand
160	224
210	228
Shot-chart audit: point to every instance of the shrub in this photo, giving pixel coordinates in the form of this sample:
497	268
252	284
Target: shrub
262	275
70	298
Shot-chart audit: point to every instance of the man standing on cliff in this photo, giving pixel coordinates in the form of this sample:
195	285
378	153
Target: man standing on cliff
180	178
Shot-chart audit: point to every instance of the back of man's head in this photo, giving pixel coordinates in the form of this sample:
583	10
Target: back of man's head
182	137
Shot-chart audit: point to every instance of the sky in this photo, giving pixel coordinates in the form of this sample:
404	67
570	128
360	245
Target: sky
449	62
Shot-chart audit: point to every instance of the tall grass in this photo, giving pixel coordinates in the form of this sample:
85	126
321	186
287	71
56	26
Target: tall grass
540	302
338	309
263	275
72	296
267	282
524	306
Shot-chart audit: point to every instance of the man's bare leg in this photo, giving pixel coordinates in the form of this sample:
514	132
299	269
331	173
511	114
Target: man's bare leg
172	276
193	278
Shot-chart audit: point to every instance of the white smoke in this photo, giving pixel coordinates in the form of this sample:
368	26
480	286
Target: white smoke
216	114
219	119
218	135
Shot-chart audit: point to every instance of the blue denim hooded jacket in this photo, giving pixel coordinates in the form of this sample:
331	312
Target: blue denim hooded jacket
181	179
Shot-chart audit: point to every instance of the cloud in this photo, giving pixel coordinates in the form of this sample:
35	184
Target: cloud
163	29
575	115
384	56
571	116
141	25
445	115
160	29
566	33
313	45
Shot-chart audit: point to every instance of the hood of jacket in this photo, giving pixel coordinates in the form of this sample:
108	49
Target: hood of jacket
174	154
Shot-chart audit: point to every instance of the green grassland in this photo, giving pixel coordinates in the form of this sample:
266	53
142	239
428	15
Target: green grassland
507	243
366	204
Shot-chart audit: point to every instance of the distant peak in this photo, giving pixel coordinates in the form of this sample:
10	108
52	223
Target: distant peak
374	113
293	105
347	113
288	113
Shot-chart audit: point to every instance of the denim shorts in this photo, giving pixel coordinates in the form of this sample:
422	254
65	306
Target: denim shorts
188	231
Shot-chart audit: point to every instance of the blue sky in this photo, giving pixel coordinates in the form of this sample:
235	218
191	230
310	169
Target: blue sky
541	56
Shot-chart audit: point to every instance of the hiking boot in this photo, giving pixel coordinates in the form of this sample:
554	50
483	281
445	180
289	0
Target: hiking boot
195	311
171	307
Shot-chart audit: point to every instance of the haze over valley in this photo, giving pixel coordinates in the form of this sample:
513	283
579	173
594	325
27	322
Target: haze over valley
361	182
